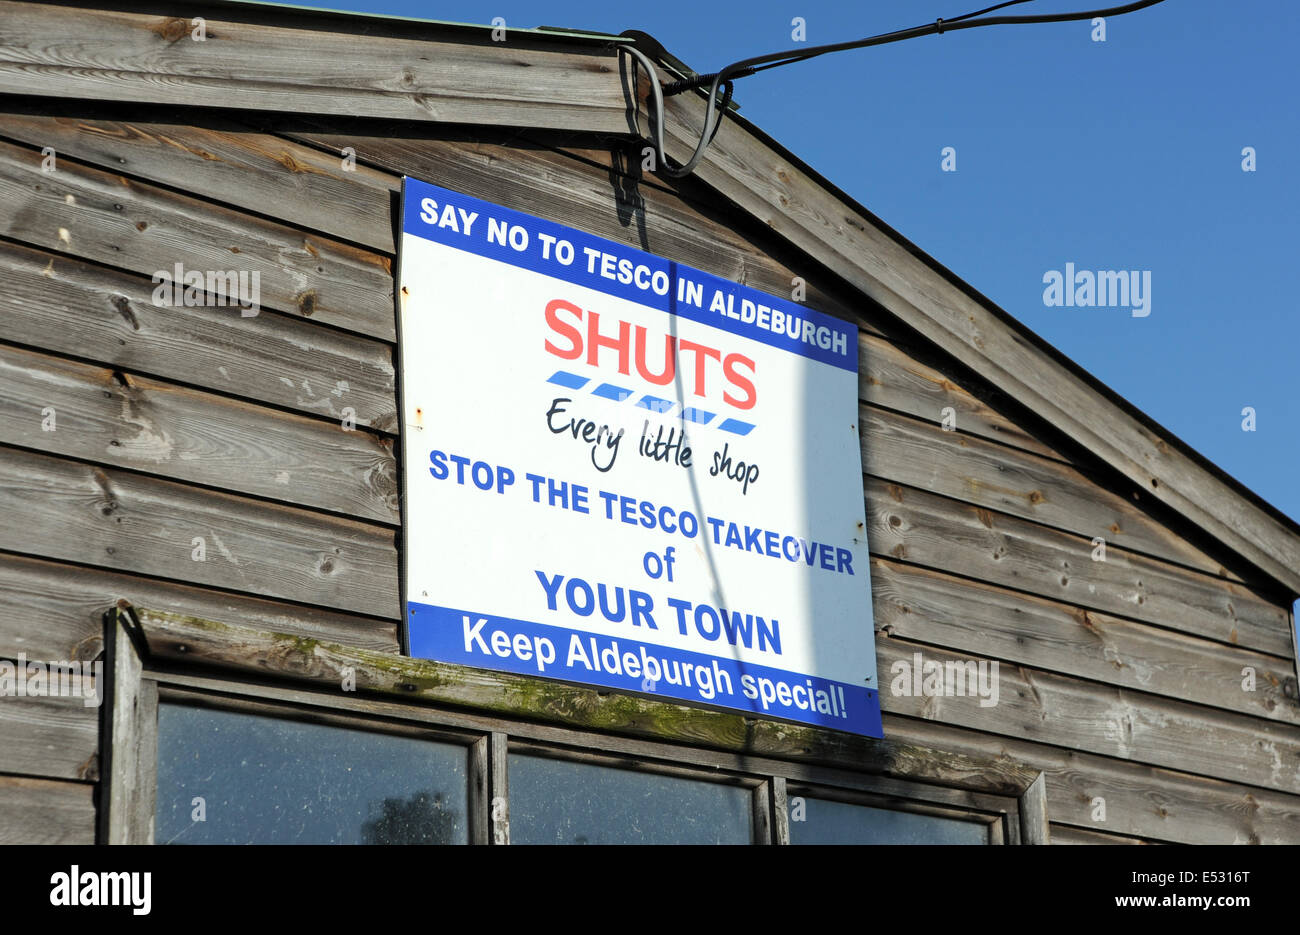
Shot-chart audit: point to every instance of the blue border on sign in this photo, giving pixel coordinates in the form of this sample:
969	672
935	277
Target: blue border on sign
439	633
746	306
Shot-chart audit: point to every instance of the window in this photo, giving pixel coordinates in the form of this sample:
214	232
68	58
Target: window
227	777
827	821
558	801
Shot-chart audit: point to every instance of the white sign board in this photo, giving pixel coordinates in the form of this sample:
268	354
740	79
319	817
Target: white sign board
624	472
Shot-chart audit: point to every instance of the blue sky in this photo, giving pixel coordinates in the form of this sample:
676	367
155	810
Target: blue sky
1123	154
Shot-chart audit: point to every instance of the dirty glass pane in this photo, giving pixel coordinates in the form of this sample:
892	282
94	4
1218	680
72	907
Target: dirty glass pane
265	780
562	802
821	821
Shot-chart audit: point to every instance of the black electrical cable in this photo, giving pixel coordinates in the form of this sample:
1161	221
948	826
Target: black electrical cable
678	86
759	63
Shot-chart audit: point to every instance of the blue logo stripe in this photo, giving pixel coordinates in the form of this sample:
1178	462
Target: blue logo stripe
570	380
655	404
610	391
736	426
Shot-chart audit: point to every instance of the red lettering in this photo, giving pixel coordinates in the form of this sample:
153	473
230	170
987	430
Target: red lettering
596	340
740	391
670	359
701	352
564	329
739	382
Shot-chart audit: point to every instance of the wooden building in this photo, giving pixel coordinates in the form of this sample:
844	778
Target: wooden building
208	502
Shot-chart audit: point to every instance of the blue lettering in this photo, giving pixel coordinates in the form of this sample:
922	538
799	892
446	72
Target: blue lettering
552	588
439	469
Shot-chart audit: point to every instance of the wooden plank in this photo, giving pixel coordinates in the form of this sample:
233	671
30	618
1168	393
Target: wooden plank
1141	801
918	527
95	215
891	376
52	737
240	649
112	519
111	55
779	806
622	158
1067	834
480	794
228	163
852	243
541	182
761	815
926	606
499	763
63	305
1006	830
116	419
1107	721
1033	825
131	751
991	475
42	811
55	611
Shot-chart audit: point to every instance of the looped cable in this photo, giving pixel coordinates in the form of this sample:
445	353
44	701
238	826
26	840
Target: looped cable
711	124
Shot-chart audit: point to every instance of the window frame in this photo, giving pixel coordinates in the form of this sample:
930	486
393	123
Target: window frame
140	679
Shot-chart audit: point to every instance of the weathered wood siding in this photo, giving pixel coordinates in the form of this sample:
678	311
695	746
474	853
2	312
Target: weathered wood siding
1121	680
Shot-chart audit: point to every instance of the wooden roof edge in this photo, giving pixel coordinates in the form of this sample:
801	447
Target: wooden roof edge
274	12
766	181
